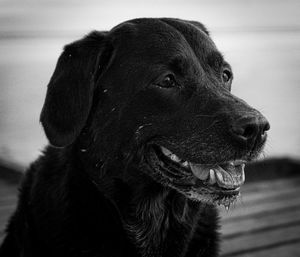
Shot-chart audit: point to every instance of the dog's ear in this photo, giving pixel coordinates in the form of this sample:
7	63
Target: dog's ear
70	90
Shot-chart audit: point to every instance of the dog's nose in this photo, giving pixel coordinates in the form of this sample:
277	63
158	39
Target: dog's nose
250	129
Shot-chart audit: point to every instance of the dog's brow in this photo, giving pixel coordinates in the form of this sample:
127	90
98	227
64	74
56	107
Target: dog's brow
179	65
215	59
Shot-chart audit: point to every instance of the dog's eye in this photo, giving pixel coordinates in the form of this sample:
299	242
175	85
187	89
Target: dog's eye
168	81
226	76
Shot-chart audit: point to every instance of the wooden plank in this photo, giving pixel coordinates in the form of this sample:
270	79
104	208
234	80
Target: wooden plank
2	232
260	240
262	192
288	249
253	197
7	189
8	200
7	207
4	217
4	220
261	197
260	208
267	216
251	224
272	185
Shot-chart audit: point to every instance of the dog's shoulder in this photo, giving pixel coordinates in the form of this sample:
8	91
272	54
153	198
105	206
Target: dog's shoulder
62	208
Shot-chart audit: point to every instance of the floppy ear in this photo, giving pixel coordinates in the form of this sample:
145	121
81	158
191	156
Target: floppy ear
70	90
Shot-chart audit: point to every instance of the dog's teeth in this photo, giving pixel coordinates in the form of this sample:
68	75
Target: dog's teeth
227	206
166	151
212	177
185	164
172	156
175	158
219	176
243	173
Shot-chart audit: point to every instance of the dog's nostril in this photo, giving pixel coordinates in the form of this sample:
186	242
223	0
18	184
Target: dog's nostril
245	131
249	131
266	127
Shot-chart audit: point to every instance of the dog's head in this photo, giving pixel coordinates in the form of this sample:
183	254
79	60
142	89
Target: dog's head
155	94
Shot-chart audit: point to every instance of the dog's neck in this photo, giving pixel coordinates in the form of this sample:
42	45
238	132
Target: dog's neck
153	216
156	218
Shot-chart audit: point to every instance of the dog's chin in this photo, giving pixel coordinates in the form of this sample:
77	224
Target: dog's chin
211	183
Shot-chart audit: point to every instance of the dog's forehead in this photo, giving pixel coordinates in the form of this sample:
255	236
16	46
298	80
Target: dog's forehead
163	38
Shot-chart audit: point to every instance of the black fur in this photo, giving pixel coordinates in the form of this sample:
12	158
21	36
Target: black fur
90	193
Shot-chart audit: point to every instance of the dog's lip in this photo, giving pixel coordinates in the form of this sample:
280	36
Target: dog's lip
227	176
175	173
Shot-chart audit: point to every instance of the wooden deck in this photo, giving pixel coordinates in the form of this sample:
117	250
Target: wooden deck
264	222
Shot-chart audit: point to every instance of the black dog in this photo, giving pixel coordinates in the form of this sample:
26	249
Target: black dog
146	137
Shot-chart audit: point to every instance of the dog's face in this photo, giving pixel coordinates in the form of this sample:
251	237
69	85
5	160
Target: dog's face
156	93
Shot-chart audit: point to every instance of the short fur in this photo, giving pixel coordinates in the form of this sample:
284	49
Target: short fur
90	194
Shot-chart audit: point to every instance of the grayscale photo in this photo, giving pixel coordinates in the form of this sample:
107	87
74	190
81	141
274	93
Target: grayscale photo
149	128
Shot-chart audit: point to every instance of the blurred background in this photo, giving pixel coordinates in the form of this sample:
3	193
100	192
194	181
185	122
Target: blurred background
259	38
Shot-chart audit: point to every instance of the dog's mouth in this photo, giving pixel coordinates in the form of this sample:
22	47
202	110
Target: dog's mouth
215	183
